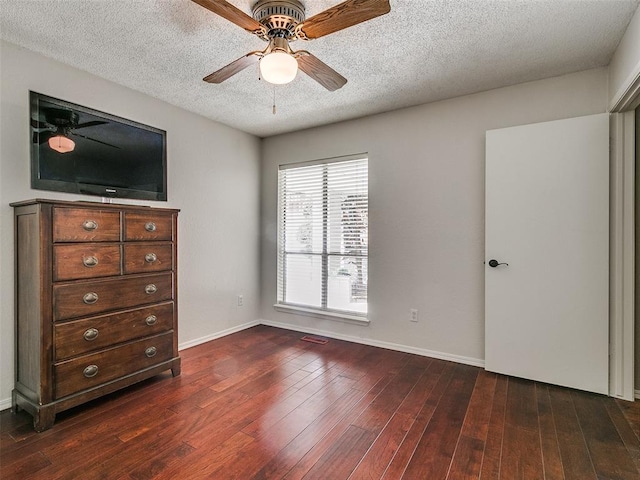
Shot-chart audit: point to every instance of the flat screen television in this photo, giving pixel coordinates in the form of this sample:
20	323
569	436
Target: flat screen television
77	149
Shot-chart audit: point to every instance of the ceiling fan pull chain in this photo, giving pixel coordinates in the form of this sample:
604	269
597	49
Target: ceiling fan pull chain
274	99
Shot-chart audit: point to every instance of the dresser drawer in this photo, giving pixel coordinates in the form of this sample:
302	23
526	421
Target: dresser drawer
85	225
82	336
147	226
148	257
81	299
88	371
85	260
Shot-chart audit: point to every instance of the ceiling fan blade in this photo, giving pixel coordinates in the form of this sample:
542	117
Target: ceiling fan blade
231	13
44	129
234	67
93	123
320	71
94	140
343	15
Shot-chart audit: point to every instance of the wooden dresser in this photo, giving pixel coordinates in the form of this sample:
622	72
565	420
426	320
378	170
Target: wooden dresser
96	301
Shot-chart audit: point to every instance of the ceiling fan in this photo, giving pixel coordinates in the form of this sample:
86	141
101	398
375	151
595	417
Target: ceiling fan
58	125
280	22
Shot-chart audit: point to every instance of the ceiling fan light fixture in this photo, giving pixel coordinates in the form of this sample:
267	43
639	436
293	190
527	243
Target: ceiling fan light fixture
62	144
278	67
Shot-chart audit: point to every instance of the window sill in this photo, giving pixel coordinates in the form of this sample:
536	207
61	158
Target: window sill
344	317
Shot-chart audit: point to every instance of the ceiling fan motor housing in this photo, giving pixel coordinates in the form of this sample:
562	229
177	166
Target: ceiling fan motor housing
280	17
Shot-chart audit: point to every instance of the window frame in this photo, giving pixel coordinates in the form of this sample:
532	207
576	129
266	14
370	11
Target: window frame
311	310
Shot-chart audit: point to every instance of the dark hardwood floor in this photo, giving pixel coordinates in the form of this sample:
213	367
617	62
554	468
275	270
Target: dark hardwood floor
263	404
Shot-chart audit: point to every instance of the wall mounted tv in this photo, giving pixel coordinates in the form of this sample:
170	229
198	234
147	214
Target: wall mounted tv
77	149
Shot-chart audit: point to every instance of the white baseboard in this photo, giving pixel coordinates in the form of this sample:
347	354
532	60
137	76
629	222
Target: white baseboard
476	362
637	392
5	404
213	336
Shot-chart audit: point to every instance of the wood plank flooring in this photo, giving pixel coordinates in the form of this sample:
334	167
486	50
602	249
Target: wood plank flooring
262	404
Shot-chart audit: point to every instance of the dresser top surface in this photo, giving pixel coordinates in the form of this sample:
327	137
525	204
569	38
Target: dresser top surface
85	204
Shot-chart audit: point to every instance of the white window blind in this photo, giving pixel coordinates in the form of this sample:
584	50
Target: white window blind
323	235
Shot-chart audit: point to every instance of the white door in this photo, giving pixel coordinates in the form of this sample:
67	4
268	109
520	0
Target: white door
547	217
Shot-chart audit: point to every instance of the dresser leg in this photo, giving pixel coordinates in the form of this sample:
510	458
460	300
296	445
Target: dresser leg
175	367
15	408
44	418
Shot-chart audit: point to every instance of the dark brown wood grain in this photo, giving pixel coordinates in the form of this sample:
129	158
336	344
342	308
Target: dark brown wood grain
495	431
439	375
231	13
111	364
626	417
606	448
467	459
321	72
70	341
232	68
112	294
86	260
148	257
343	15
573	449
262	404
69	225
548	435
148	226
521	450
374	463
69	270
437	445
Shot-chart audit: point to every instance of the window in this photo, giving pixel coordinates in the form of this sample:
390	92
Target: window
323	235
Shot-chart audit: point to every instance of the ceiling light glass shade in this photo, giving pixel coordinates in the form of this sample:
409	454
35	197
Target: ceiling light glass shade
278	68
62	144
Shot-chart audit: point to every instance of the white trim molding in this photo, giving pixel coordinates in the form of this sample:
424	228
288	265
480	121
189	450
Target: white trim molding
220	334
326	314
5	404
622	254
628	97
476	362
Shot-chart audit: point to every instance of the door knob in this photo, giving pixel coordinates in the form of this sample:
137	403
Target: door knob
494	263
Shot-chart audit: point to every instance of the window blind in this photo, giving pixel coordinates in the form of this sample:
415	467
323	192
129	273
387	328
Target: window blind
323	235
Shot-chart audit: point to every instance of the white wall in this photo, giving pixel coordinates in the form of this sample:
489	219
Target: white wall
426	220
625	64
213	173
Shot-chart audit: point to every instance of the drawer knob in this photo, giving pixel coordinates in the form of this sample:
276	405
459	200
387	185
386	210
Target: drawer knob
150	289
150	227
90	225
91	334
89	262
90	298
150	352
90	371
151	320
150	257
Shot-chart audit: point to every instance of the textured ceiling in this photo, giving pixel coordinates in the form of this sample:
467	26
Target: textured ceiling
422	51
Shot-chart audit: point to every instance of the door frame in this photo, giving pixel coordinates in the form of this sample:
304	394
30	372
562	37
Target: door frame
622	242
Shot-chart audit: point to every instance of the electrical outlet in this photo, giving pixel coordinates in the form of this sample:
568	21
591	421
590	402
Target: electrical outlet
413	315
240	300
